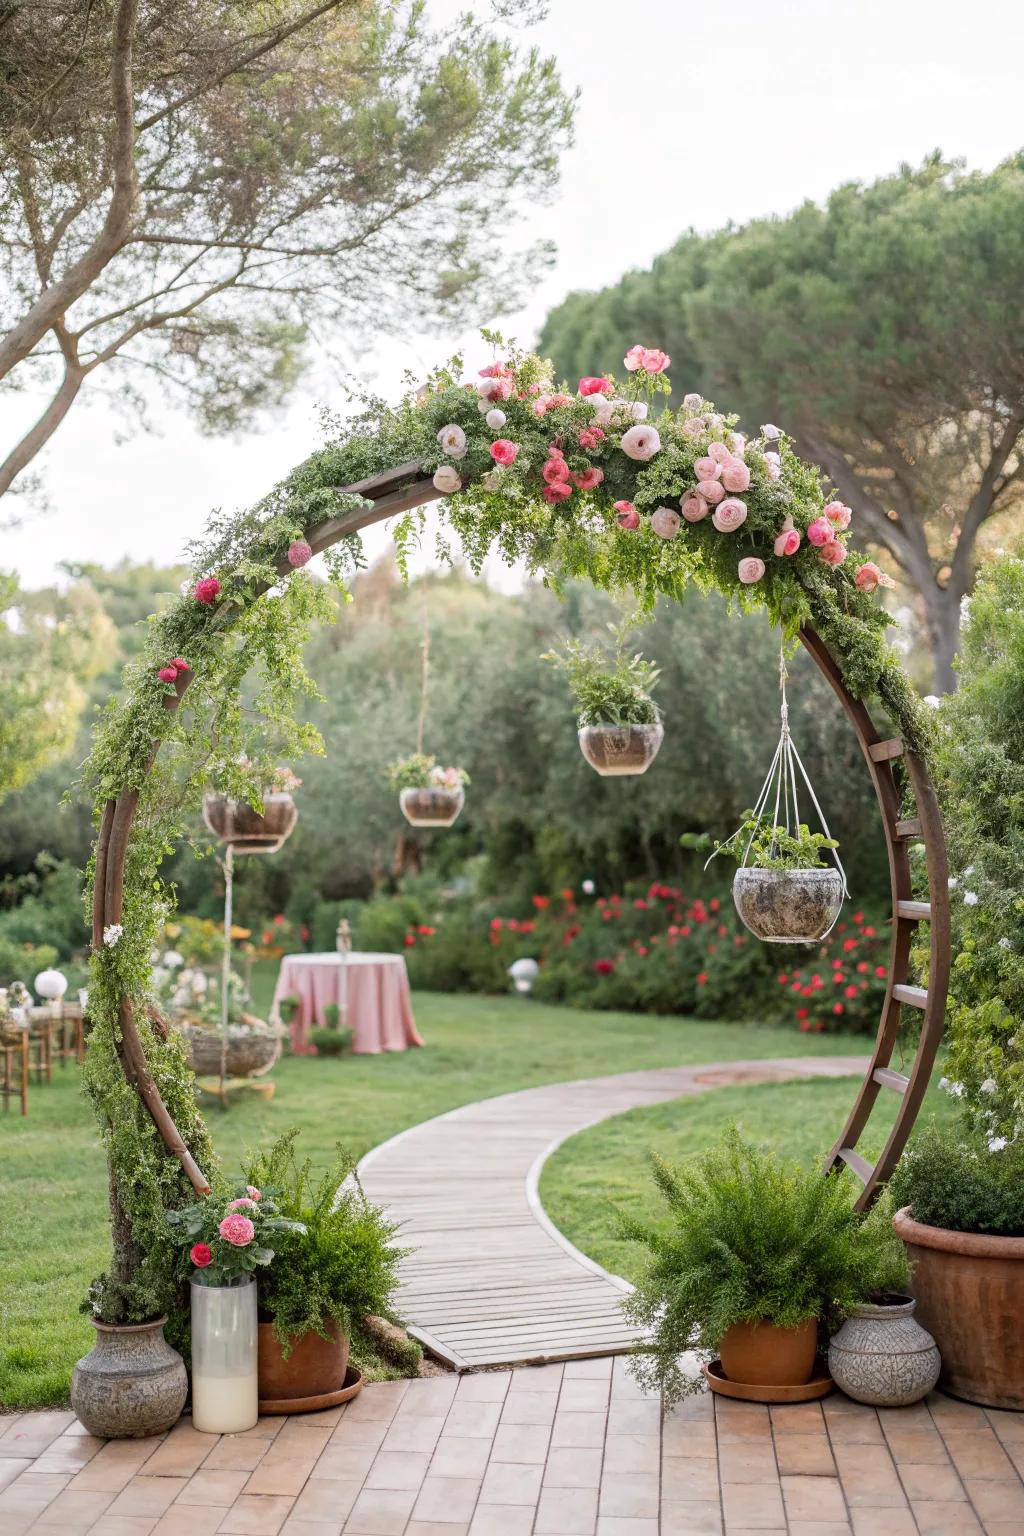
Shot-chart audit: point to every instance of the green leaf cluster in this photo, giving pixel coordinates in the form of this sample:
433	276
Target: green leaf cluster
953	1181
609	690
760	844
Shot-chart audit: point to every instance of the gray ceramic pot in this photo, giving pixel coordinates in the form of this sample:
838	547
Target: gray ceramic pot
788	906
617	750
130	1384
881	1355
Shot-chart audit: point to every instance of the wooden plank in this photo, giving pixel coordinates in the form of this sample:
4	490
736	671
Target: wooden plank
885	751
914	911
859	1165
909	829
889	1079
914	997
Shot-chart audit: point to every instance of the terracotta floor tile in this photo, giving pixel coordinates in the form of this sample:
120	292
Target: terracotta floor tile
278	1475
12	1467
431	1394
397	1469
33	1490
267	1426
362	1432
189	1520
1008	1425
915	1418
633	1495
797	1418
570	1467
634	1416
378	1401
518	1442
537	1378
99	1476
501	1520
294	1527
855	1429
483	1387
746	1461
685	1478
301	1443
151	1495
813	1498
327	1418
460	1456
71	1451
996	1501
520	1408
329	1501
77	1510
936	1519
380	1512
215	1490
256	1515
918	1446
413	1433
883	1522
820	1528
583	1429
566	1512
632	1453
435	1528
807	1455
183	1452
980	1453
599	1369
868	1474
753	1507
450	1498
514	1482
619	1525
691	1517
926	1481
123	1525
583	1395
741	1421
950	1413
688	1437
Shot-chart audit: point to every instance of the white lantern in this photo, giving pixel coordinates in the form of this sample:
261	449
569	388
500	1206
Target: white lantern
524	973
51	985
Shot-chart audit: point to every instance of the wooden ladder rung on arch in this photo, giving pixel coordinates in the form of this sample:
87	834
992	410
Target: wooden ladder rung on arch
881	755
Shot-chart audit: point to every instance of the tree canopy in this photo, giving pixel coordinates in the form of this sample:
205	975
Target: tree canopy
200	195
880	331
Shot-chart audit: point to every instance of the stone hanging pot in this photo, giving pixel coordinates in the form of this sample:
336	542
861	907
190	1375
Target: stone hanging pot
788	906
131	1383
618	750
881	1355
235	822
432	806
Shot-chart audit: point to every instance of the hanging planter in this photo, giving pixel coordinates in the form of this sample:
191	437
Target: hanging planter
253	1048
784	891
619	727
430	796
247	831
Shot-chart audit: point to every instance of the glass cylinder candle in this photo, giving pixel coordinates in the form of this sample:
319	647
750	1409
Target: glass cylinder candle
225	1398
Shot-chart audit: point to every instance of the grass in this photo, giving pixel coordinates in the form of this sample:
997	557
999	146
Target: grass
53	1217
604	1170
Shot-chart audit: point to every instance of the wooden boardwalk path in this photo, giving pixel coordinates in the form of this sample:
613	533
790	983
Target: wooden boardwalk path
490	1280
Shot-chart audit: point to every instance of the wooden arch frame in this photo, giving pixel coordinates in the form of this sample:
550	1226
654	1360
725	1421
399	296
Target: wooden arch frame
404	488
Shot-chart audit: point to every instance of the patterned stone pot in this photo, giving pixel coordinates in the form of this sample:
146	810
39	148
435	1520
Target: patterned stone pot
788	906
130	1384
881	1355
617	750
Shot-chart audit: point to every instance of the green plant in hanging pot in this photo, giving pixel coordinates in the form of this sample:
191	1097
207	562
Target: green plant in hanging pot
619	724
429	795
758	1261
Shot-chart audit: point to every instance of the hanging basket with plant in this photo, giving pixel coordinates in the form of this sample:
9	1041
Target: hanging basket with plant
429	795
784	890
247	830
619	725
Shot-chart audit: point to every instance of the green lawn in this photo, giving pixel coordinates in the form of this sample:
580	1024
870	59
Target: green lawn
606	1169
53	1193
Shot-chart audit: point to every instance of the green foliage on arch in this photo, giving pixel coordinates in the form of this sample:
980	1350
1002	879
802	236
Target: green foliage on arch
575	485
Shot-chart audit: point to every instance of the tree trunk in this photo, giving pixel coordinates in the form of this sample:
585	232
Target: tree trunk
38	436
942	608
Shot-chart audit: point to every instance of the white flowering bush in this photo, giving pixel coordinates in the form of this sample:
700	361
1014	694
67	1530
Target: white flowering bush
981	765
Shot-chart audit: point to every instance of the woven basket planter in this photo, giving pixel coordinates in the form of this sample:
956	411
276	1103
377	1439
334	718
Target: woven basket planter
251	1052
234	822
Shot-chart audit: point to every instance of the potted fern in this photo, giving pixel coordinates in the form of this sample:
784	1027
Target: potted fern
784	891
619	725
756	1260
429	795
338	1266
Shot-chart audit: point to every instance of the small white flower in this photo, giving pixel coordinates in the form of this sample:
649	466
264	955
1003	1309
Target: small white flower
1004	943
988	1086
447	479
770	432
970	898
111	933
969	870
932	700
495	419
588	887
997	1143
965	608
638	410
640	443
952	882
955	1090
693	402
172	959
453	441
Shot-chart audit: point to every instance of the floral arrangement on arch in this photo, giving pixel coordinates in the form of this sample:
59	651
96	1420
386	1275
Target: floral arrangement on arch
227	1235
745	509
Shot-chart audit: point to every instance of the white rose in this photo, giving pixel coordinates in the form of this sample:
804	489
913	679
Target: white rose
453	441
641	443
693	402
447	479
495	419
770	432
638	410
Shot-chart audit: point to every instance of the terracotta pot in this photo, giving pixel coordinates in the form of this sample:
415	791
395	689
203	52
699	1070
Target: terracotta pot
882	1355
314	1367
970	1296
432	806
762	1355
617	750
788	906
131	1383
234	822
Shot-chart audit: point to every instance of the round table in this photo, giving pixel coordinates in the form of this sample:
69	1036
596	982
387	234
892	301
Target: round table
372	991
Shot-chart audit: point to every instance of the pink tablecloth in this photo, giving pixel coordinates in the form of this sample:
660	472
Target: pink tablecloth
371	990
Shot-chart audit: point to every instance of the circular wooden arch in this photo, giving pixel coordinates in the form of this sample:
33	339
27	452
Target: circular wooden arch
405	488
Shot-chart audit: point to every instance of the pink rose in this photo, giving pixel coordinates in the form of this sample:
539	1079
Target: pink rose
869	576
821	532
167	674
494	389
299	553
665	522
694	507
557	491
707	468
838	514
504	452
243	1203
654	360
587	479
206	591
626	515
253	1192
788	542
735	476
641	442
237	1230
711	490
833	553
496	371
730	515
693	426
595	386
720	453
590	437
750	570
201	1255
555	470
634	358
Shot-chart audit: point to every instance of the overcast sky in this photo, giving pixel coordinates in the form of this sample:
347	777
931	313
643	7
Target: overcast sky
690	115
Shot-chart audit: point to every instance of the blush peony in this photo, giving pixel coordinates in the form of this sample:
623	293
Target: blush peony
735	476
555	470
869	576
447	479
694	507
839	515
788	542
821	532
719	452
495	419
833	553
665	522
167	674
730	515
654	360
243	1203
504	452
557	491
707	468
237	1230
712	490
253	1192
693	426
750	570
641	443
626	515
634	358
587	479
693	402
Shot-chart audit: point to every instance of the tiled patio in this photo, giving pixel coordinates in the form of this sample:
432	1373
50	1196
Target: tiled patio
557	1450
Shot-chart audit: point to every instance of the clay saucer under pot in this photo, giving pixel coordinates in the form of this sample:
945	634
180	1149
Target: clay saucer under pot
820	1385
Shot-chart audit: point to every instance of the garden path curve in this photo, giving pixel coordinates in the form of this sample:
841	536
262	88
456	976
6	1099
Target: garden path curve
490	1280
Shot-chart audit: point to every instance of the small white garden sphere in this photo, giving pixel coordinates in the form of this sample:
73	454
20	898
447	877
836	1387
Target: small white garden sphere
51	985
524	973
